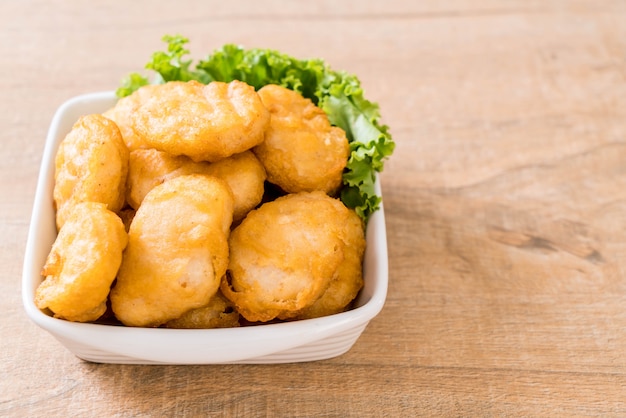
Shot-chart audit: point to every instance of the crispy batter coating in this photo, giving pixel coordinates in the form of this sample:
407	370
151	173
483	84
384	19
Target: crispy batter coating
204	122
177	251
301	151
122	112
284	255
82	264
349	280
148	168
219	313
245	176
91	165
243	173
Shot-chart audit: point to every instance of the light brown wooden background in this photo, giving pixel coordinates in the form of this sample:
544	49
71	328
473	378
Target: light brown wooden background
505	205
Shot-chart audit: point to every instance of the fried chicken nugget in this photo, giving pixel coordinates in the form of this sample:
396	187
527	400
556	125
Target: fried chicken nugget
204	122
219	313
147	168
243	173
245	176
82	264
177	251
91	165
349	280
284	255
122	112
301	151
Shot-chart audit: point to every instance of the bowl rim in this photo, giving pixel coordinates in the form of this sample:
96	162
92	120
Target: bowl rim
213	345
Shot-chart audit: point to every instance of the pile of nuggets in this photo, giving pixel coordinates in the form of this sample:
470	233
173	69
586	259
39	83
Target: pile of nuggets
202	206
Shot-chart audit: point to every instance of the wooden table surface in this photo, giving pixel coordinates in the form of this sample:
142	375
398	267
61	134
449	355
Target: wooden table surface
505	205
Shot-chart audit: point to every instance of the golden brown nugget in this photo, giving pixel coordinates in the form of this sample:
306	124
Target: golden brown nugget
82	264
91	165
148	168
219	313
177	251
243	173
284	255
245	176
122	112
349	280
204	122
301	151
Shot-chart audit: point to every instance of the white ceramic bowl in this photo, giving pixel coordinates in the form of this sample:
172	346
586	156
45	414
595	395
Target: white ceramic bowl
305	340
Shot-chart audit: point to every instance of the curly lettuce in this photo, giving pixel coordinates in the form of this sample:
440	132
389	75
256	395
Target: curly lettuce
338	93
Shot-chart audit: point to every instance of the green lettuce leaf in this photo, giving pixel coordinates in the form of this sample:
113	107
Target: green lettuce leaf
130	83
339	94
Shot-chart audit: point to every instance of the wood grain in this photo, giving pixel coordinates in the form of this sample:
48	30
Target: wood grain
505	205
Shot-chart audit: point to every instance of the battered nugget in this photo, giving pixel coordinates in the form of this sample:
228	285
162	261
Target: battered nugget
243	173
245	176
301	151
122	113
219	313
82	264
91	165
349	280
284	255
148	168
204	122
177	251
